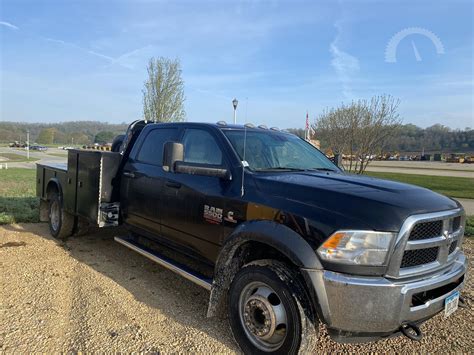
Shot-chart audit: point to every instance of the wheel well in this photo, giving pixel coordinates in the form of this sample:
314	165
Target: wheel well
51	189
253	250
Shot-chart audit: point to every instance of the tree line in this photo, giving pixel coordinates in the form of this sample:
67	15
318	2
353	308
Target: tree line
63	133
409	138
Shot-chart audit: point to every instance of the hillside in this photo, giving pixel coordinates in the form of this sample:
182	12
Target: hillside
78	132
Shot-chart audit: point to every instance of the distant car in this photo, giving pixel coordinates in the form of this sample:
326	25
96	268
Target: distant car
67	148
39	148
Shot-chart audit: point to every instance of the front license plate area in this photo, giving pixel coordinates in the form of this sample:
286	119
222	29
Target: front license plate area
451	304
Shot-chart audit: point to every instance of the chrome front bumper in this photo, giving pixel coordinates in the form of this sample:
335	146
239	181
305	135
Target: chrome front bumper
377	305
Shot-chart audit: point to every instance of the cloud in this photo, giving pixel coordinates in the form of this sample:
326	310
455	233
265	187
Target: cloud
9	25
345	65
125	60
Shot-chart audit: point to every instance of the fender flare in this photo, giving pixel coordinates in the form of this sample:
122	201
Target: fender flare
275	235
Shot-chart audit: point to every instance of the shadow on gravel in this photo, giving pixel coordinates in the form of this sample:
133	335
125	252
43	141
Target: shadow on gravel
151	284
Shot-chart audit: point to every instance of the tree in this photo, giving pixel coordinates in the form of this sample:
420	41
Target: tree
46	136
104	137
300	132
359	130
78	138
163	95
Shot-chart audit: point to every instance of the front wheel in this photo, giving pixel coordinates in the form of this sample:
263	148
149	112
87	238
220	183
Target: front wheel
61	223
267	305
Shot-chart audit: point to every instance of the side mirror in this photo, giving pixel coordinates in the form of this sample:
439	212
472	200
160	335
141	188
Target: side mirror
172	152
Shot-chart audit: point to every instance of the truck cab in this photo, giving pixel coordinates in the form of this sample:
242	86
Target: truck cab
281	237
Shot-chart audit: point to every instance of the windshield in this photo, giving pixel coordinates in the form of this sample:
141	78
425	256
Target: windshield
273	151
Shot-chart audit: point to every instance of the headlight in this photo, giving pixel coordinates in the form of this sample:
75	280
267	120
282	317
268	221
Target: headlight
357	247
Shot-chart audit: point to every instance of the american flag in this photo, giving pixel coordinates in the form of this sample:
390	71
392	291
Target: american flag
307	121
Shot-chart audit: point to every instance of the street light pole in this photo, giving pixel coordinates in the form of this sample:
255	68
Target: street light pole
235	103
28	145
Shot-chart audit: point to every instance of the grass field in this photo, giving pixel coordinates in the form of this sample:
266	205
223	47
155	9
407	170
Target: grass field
450	186
14	158
17	196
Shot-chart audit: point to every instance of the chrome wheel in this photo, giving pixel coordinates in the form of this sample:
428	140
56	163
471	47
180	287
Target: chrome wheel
55	214
263	316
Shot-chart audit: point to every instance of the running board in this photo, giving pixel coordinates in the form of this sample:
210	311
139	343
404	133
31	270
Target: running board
167	263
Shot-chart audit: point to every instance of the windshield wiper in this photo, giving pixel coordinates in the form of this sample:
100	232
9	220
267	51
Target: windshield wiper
324	169
280	168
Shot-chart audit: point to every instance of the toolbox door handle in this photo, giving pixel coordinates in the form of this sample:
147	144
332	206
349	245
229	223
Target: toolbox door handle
129	174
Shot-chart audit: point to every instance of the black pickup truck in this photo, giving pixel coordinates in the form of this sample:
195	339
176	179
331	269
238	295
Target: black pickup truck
281	237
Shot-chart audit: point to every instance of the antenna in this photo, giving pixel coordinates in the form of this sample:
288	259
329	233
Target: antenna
244	162
246	107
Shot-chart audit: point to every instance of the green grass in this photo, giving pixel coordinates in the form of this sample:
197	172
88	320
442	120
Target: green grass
460	187
14	158
469	226
18	201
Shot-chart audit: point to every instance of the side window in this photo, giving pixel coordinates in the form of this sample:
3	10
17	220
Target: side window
151	151
201	147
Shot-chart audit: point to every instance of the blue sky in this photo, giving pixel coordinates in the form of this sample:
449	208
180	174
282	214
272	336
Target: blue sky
86	60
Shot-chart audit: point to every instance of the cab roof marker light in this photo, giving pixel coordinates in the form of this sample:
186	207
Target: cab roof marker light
262	126
275	129
249	125
222	123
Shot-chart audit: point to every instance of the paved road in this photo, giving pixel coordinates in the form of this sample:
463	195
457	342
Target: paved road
44	157
423	165
423	168
468	205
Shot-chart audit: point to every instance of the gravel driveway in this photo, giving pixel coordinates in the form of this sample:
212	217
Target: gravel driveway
91	294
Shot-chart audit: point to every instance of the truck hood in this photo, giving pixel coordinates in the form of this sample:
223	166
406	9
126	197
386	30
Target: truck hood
379	204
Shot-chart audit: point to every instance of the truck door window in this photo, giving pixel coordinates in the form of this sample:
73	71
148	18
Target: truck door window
201	147
151	151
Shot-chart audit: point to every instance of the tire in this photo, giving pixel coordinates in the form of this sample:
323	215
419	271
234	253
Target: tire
60	222
269	310
83	227
117	143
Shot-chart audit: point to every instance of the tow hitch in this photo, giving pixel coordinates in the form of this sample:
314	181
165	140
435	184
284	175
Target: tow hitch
411	331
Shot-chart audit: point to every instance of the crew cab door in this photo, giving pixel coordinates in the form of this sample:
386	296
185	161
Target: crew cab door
143	178
194	204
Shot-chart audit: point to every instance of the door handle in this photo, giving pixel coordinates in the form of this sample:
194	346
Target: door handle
175	185
129	174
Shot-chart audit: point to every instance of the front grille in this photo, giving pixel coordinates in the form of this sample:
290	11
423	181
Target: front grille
419	257
456	223
426	230
427	242
452	247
